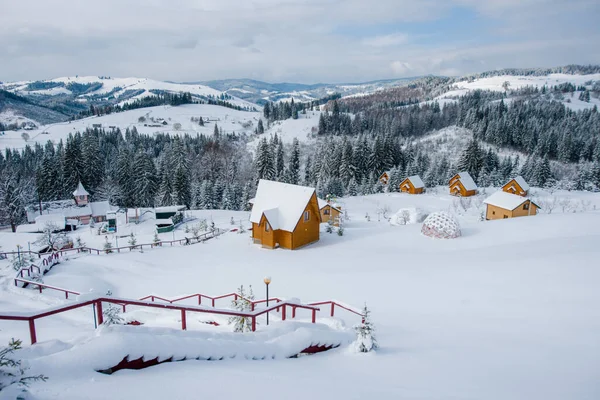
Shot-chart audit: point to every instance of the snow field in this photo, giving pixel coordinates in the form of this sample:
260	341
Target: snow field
508	310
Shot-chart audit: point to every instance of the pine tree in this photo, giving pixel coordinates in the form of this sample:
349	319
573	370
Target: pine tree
13	371
279	163
73	162
365	334
294	164
242	304
182	187
93	166
146	182
261	128
264	163
352	188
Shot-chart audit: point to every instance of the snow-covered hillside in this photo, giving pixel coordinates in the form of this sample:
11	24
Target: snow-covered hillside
510	310
114	87
151	120
498	83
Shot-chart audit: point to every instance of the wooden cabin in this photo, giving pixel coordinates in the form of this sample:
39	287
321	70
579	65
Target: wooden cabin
412	185
462	185
285	215
516	186
385	177
503	205
330	211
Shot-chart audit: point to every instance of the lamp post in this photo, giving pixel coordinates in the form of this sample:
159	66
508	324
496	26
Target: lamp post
267	280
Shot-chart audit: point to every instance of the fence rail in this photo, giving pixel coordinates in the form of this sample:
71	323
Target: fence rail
91	250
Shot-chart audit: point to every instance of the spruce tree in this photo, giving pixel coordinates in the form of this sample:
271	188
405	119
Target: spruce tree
293	175
365	334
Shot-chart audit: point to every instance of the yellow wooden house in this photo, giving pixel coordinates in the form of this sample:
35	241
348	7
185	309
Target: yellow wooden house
503	205
385	177
284	215
462	185
412	185
330	211
516	186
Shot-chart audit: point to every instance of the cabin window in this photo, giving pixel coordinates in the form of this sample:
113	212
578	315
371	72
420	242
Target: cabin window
306	215
526	206
326	211
505	216
267	227
81	197
493	212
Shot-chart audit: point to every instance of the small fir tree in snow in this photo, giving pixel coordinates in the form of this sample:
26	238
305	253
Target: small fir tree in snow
156	239
329	228
187	228
241	228
232	221
13	371
112	314
19	262
340	231
242	304
80	242
132	240
107	245
365	334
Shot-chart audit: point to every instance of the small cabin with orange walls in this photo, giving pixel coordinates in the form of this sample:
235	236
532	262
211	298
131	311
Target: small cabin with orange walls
412	185
284	215
385	177
516	186
462	185
330	211
502	205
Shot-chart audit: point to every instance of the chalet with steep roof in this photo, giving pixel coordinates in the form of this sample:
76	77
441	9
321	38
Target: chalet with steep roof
330	211
412	185
385	177
462	185
284	215
503	205
516	186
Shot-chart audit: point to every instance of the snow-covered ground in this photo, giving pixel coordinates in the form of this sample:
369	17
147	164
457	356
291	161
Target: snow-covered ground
510	310
304	129
230	120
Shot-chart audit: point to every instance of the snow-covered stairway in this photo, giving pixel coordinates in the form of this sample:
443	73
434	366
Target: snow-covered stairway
118	347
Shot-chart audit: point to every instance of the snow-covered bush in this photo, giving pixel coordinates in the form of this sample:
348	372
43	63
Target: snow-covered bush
329	228
80	242
132	240
365	334
406	216
242	303
340	231
156	239
112	313
441	225
107	245
13	380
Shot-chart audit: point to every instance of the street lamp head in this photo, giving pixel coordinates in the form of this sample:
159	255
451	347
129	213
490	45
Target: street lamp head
267	280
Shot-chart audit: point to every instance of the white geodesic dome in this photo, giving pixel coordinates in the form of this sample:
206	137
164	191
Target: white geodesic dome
441	225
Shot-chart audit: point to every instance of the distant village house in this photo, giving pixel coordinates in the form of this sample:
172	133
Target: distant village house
330	211
516	186
503	205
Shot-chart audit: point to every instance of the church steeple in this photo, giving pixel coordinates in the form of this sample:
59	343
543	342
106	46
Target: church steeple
81	195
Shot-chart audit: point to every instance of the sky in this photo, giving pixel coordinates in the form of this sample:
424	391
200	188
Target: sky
305	41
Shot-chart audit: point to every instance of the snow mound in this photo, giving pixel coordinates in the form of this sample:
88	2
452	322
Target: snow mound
441	225
407	216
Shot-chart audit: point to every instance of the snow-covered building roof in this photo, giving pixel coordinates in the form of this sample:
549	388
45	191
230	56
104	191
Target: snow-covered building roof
100	208
324	203
282	204
167	209
80	191
163	221
507	201
251	201
521	182
467	181
416	181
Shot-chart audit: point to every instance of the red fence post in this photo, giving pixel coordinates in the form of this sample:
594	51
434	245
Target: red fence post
183	320
293	312
253	324
66	294
40	287
32	331
199	299
314	316
283	313
99	313
332	308
213	302
252	306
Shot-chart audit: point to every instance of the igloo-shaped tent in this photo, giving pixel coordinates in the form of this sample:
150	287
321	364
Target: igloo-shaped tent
441	225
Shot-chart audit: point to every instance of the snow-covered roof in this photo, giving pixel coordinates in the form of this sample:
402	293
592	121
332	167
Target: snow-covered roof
508	201
287	200
80	191
323	203
467	181
416	181
100	208
65	208
521	182
251	201
167	209
164	221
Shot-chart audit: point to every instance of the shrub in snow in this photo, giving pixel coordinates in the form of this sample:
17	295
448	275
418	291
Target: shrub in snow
441	225
241	228
406	216
80	242
107	245
19	261
156	239
365	334
187	228
243	304
132	241
112	313
329	228
13	380
340	231
232	221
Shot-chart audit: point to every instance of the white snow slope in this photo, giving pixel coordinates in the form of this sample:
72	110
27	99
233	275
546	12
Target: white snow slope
510	310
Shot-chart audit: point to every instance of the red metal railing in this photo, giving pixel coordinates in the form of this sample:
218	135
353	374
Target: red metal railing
32	317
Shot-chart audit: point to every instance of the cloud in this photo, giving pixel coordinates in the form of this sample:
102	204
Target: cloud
394	39
302	40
